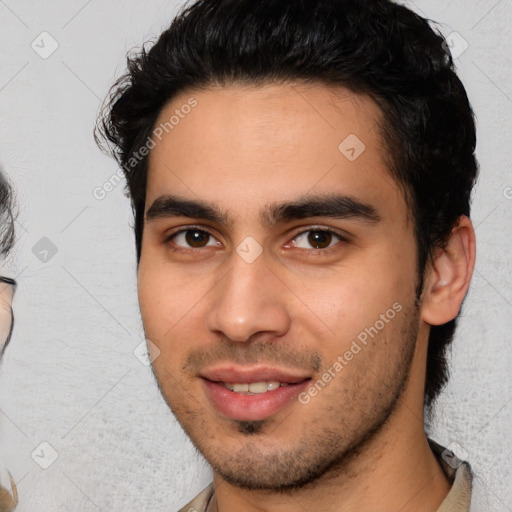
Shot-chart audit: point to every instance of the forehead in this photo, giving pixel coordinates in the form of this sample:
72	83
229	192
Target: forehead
269	143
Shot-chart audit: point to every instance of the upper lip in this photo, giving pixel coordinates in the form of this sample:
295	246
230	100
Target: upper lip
253	373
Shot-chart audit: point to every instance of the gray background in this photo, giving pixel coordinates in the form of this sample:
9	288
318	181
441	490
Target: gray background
70	377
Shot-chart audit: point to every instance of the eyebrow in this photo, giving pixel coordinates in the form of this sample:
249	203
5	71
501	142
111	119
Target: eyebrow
327	205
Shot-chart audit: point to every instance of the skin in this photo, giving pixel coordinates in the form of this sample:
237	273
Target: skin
8	500
359	443
6	296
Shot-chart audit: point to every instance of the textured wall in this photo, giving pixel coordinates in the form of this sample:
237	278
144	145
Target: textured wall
70	378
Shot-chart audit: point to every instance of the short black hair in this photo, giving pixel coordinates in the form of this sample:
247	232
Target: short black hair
374	47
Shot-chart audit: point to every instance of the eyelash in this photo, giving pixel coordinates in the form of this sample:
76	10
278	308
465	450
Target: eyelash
338	235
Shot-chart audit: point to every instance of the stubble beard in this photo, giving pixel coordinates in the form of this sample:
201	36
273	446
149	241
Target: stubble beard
320	452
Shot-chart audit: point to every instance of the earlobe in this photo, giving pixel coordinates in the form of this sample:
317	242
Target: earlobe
449	275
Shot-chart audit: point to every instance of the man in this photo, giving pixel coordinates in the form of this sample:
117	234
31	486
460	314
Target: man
8	491
300	174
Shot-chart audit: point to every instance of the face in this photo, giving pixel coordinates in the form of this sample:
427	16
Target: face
7	287
277	279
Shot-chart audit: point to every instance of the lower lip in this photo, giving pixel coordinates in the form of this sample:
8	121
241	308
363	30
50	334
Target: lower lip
238	406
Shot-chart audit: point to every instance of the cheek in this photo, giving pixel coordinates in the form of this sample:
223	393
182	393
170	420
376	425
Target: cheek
169	299
157	299
348	297
349	300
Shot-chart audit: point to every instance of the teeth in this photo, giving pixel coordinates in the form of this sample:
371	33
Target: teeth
257	387
241	388
254	387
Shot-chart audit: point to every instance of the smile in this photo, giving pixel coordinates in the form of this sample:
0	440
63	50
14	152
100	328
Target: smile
254	388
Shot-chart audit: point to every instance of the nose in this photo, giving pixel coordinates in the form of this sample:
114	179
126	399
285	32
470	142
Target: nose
249	300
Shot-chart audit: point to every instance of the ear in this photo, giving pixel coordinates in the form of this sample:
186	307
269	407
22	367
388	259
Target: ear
449	275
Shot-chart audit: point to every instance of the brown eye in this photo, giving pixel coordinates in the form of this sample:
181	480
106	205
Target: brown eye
196	238
317	239
193	239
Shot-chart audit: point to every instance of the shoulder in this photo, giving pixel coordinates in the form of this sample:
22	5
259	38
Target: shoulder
200	502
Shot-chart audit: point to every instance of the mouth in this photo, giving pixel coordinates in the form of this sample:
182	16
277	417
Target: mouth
253	393
254	388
